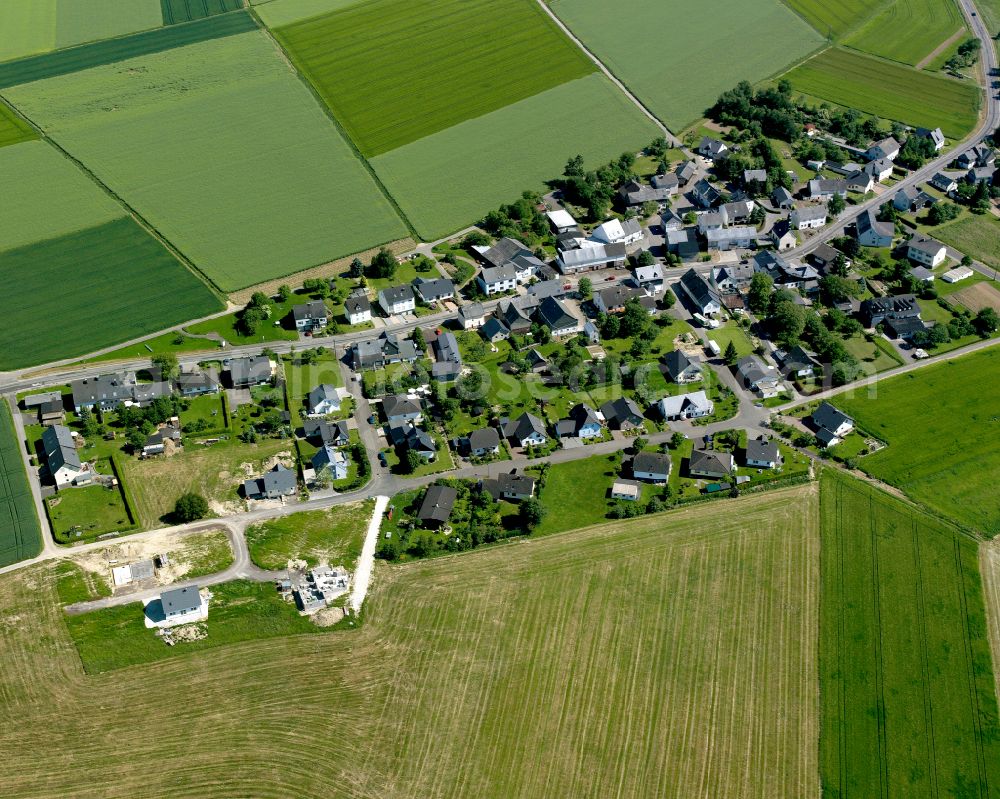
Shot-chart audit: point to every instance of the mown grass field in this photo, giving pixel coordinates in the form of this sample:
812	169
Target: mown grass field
908	30
664	657
275	13
82	514
13	129
447	181
657	49
98	282
833	19
976	235
455	52
20	531
333	536
909	705
943	434
889	90
248	178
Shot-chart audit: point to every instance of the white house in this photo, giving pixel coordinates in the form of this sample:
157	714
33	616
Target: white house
762	453
872	232
397	299
484	441
61	455
925	250
763	379
831	424
879	170
357	309
497	279
712	148
331	459
616	232
653	467
322	400
310	316
808	218
183	606
936	136
400	408
685	406
700	292
472	316
649	278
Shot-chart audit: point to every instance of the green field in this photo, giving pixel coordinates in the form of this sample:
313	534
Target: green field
37	26
86	513
944	439
96	282
908	30
176	11
672	656
451	52
333	536
658	49
20	533
497	156
909	706
13	129
576	494
276	13
833	19
975	235
889	90
248	178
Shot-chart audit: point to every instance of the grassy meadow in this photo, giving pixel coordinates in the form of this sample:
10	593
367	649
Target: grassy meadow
657	49
333	536
276	13
944	442
669	656
833	19
454	53
248	178
908	30
975	235
83	514
13	129
888	90
909	705
493	158
20	532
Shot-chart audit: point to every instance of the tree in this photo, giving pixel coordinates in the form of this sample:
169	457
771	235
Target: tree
645	258
383	265
417	337
730	356
787	323
532	513
136	438
677	440
411	461
635	319
639	444
89	423
166	363
357	269
942	212
190	507
759	294
586	288
986	322
836	205
285	292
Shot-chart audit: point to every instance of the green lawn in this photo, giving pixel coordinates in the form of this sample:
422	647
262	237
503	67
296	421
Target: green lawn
355	57
74	584
249	178
276	13
732	332
908	30
20	533
176	342
873	356
576	494
652	47
203	554
975	235
908	703
333	536
81	514
208	410
889	90
944	444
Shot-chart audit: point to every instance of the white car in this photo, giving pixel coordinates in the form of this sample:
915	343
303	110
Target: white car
920	354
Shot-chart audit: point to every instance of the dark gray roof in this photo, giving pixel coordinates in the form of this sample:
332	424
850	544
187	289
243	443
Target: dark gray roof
396	294
828	417
279	478
437	288
484	438
698	288
249	370
762	450
504	251
473	310
651	462
438	503
322	392
498	274
34	400
181	600
708	460
621	410
327	432
196	379
618	295
676	362
925	244
357	304
387	346
60	449
400	404
104	389
446	347
868	221
523	426
552	313
314	309
494	327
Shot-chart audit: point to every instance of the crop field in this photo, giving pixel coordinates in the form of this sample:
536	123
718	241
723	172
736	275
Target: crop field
333	536
249	178
657	48
13	129
989	567
20	533
908	30
975	235
944	441
37	26
175	11
888	90
833	19
664	657
276	13
98	281
909	704
446	181
978	296
454	52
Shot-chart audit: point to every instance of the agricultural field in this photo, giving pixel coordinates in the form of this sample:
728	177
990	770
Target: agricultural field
989	568
20	532
277	13
977	296
691	639
499	155
249	178
454	49
657	48
908	30
889	90
975	235
176	11
909	704
13	129
833	20
333	536
944	444
38	26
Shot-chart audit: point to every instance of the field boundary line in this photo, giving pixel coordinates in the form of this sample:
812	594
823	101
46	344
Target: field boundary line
880	711
924	656
923	62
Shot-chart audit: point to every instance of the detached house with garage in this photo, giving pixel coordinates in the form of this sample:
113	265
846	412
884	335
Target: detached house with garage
310	316
759	377
357	308
385	349
711	464
622	414
831	424
762	453
322	400
397	300
679	368
685	406
434	290
695	288
582	423
713	148
525	430
274	484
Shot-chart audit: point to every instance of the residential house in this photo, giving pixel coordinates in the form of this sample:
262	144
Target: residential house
561	221
925	250
273	484
782	236
622	414
107	392
400	408
679	368
732	278
848	169
436	508
322	400
711	464
912	200
730	238
331	460
60	454
615	231
515	319
537	292
156	442
472	316
377	352
183	605
525	430
310	316
253	371
979	155
591	257
879	170
628	490
357	308
397	300
922	274
434	290
824	258
583	423
685	172
808	218
736	212
634	193
860	182
494	330
649	278
752	176
981	174
685	406
782	198
705	194
669	183
509	486
713	148
683	242
824	188
484	441
831	424
408	436
943	182
503	252
904	328
613	299
448	363
796	363
762	453
51	411
321	431
710	220
887	149
758	376
786	274
497	279
536	361
872	232
879	309
700	293
936	136
652	467
553	314
194	382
